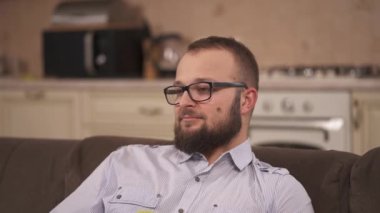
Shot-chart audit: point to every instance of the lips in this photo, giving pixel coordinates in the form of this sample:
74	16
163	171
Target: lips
188	117
188	114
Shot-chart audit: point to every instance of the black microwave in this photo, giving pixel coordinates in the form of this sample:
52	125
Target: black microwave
93	53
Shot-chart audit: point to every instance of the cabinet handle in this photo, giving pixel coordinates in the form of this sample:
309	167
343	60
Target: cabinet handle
150	111
35	95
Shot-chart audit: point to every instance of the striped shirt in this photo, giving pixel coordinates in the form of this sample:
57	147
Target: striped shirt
147	179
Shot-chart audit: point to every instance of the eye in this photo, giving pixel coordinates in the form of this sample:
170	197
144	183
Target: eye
201	88
174	90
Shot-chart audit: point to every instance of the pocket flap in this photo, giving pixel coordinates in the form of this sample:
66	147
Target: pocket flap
136	195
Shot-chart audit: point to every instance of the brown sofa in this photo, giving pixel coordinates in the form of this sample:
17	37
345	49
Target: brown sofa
36	174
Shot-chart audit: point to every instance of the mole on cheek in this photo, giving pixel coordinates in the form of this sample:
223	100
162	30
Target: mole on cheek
218	109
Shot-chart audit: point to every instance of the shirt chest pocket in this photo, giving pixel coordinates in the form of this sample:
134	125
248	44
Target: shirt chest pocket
133	199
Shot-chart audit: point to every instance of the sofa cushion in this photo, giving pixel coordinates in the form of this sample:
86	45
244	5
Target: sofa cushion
31	173
324	174
365	183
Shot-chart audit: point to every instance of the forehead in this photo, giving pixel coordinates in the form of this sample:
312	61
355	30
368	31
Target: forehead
212	64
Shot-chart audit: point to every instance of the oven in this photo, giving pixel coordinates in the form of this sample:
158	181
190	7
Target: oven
302	119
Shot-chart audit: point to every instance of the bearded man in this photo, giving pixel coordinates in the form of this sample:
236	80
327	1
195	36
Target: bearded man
210	167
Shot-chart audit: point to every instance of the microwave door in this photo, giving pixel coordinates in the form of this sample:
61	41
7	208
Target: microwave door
64	54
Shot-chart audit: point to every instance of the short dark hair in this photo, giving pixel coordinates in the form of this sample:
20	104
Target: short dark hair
249	71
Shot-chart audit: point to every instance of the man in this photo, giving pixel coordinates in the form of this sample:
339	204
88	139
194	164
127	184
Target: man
211	167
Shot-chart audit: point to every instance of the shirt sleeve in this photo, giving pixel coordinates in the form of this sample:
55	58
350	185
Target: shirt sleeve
291	196
86	197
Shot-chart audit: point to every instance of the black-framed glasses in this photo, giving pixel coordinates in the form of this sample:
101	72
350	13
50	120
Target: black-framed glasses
198	92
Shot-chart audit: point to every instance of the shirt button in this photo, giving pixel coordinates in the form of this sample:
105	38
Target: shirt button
118	196
181	211
197	179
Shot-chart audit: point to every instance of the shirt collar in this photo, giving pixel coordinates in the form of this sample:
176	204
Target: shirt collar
241	155
183	157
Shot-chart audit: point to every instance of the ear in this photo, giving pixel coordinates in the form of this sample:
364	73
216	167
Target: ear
248	100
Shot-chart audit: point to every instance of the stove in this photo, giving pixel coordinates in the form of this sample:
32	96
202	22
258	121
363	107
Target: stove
313	119
302	119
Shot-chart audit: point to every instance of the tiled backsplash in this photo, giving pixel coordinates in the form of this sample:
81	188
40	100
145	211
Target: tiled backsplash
279	32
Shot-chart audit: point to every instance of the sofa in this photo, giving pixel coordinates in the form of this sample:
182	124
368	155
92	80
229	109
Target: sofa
37	174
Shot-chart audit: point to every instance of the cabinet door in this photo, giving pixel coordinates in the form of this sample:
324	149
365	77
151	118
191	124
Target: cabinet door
39	113
366	116
128	113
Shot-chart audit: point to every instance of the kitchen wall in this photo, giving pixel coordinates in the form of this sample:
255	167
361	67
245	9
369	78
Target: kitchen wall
279	32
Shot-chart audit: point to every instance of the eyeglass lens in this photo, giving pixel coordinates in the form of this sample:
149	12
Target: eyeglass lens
198	92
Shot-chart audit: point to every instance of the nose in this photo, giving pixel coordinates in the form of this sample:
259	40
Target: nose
185	100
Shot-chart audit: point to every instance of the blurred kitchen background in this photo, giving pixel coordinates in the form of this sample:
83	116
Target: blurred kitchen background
319	62
279	32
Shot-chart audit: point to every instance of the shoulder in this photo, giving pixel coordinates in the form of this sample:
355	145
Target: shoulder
291	196
270	177
267	169
282	189
140	150
279	178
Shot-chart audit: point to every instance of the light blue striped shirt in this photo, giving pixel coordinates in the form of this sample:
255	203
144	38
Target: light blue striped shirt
144	179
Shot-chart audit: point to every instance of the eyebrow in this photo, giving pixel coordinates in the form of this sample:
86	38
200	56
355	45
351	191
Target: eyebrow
178	83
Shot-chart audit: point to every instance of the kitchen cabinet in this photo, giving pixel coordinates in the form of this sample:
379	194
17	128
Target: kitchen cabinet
134	112
77	112
39	113
366	121
83	108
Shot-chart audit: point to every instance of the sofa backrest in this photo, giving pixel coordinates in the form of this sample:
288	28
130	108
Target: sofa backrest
31	173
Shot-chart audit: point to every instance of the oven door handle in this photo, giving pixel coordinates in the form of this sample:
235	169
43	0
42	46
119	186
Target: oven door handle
323	125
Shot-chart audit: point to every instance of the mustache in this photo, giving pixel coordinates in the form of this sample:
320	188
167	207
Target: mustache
189	112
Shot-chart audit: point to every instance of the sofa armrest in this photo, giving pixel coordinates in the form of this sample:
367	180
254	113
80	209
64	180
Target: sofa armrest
365	183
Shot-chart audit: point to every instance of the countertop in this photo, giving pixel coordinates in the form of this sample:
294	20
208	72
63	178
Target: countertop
346	84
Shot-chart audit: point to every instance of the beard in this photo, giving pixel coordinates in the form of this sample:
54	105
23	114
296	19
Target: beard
206	139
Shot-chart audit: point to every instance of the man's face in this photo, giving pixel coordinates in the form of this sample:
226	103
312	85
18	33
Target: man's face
204	126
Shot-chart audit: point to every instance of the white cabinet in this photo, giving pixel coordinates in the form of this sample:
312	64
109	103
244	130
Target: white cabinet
39	113
84	112
77	109
135	113
366	121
